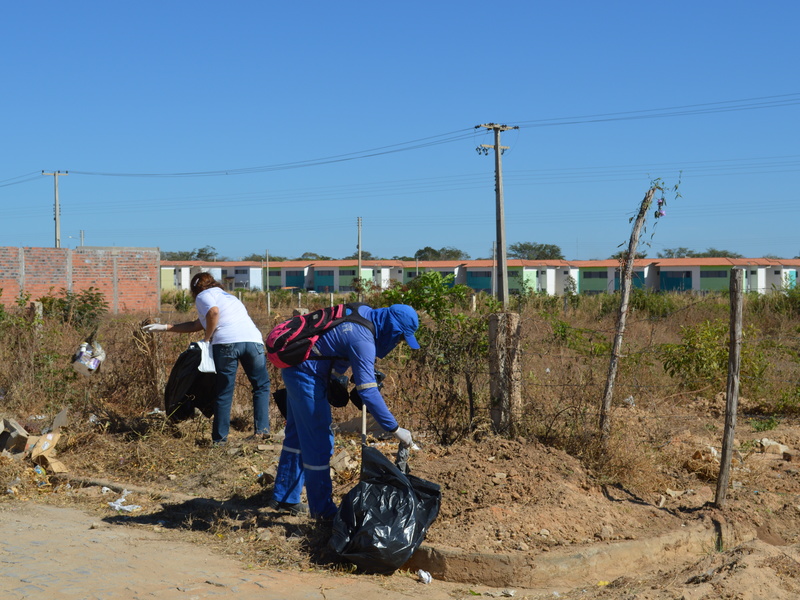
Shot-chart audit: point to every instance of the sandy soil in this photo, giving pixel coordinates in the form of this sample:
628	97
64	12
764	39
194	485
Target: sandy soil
503	498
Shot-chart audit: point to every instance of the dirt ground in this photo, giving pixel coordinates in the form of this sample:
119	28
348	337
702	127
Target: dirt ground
507	499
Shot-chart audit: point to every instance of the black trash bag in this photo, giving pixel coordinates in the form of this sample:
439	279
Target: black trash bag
338	397
187	388
279	397
382	521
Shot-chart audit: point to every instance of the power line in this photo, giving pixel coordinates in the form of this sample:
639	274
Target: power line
462	134
674	111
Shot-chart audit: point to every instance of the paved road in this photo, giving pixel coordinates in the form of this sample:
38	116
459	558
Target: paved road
64	553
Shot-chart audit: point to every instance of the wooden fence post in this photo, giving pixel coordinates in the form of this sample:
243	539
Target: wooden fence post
504	372
732	389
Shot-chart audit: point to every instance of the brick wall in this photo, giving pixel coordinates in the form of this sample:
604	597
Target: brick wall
127	277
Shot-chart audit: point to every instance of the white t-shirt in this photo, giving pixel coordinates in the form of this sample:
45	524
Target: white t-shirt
234	325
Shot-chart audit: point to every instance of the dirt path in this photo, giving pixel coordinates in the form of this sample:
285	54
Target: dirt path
58	552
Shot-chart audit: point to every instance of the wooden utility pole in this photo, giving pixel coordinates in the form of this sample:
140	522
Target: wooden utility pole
360	286
505	375
502	272
266	286
732	390
55	175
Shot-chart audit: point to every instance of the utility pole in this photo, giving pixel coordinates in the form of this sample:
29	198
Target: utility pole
360	287
502	271
57	207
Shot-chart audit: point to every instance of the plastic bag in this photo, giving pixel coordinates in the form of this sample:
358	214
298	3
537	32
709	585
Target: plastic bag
88	358
187	388
382	521
206	358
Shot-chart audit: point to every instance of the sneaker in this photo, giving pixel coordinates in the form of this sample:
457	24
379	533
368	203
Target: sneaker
286	507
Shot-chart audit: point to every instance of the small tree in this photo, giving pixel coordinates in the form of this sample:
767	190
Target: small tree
626	277
534	251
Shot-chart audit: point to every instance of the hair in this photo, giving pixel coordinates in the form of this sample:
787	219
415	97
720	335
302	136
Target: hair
202	282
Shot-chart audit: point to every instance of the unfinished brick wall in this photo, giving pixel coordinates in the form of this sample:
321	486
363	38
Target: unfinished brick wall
129	278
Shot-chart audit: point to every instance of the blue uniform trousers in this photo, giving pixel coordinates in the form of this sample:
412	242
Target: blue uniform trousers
308	445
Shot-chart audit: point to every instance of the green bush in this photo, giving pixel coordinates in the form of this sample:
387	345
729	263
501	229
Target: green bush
701	359
82	309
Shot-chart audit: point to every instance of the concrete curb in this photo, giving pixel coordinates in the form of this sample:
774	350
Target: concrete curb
577	566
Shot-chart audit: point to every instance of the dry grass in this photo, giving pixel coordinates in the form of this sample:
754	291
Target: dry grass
115	434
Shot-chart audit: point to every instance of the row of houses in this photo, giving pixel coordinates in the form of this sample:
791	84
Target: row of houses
553	277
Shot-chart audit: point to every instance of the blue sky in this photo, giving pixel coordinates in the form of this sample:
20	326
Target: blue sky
253	126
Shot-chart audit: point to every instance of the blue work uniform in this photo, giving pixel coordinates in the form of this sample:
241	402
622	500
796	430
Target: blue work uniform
308	443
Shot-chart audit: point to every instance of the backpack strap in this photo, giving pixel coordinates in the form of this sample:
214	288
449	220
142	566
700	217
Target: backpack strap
353	317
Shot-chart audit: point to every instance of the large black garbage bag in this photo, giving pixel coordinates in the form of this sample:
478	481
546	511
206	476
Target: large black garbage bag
384	518
187	388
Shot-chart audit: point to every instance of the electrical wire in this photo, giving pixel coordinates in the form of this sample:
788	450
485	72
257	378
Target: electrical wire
27	177
462	134
674	111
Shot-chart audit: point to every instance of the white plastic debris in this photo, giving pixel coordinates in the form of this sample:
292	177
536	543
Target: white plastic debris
119	503
424	576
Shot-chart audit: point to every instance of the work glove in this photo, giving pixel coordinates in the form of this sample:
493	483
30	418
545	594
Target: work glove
403	436
153	327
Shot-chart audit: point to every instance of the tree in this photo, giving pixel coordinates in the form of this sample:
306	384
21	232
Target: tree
364	256
680	252
451	253
446	253
534	251
312	256
623	253
686	253
205	254
426	253
714	253
257	257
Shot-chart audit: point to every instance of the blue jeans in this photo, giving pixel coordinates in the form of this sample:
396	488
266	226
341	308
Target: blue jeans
226	361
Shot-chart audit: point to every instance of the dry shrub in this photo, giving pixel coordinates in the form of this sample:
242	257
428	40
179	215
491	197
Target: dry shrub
445	396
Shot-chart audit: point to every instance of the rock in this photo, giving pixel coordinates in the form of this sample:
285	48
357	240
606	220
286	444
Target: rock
606	533
499	478
264	535
772	447
342	461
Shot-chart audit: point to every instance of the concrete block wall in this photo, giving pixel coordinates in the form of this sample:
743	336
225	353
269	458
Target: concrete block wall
129	278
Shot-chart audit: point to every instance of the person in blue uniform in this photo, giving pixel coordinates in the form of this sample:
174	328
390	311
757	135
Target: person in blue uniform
308	443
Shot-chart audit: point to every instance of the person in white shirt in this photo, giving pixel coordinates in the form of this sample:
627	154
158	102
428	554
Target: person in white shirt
234	339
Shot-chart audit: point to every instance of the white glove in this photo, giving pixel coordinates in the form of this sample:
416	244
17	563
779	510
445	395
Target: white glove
404	436
153	327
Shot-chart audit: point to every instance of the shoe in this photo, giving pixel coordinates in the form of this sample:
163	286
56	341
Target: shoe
286	507
259	438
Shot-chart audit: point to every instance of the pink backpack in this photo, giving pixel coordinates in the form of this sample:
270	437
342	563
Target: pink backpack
290	343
